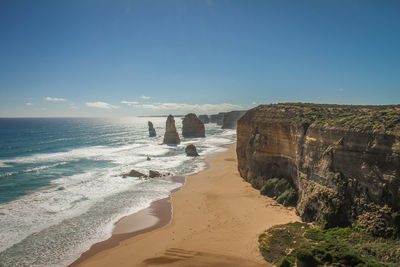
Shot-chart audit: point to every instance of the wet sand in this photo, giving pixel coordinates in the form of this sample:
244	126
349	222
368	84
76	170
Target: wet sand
216	220
157	215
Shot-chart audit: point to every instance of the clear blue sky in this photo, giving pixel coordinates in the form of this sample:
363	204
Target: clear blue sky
99	58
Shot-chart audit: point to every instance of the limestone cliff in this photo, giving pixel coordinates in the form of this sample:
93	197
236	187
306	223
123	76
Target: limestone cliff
343	160
192	126
171	135
229	120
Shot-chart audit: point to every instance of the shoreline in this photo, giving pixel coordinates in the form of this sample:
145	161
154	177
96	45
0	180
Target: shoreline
157	215
216	220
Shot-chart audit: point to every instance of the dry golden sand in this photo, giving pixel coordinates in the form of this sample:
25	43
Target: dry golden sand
217	218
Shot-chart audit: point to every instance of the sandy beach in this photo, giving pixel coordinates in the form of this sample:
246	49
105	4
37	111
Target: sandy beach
216	220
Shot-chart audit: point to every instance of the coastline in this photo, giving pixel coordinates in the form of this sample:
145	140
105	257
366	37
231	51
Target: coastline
157	215
216	220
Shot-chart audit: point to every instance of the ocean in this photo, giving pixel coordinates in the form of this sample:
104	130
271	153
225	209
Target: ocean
61	185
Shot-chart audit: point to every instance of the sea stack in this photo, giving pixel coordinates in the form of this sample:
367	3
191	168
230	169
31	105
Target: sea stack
152	131
171	136
217	118
204	119
192	126
191	151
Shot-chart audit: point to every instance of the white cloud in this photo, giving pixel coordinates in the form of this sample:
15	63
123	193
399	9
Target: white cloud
254	103
100	105
341	89
55	99
129	103
186	108
145	97
28	104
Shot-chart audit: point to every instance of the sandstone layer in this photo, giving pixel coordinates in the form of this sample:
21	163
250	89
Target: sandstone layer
171	136
192	127
344	161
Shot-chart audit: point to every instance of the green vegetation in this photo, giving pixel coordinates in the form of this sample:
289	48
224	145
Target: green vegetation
280	189
365	118
283	245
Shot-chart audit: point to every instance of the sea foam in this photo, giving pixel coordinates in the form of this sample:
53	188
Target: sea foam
86	194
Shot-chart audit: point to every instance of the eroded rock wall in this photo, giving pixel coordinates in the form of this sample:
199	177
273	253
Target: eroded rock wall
343	175
229	120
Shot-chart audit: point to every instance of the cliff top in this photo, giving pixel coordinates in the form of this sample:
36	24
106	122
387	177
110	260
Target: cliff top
354	117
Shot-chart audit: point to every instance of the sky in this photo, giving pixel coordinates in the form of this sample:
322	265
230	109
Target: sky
75	58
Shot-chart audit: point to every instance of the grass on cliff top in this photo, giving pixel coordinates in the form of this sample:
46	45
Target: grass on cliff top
283	244
373	118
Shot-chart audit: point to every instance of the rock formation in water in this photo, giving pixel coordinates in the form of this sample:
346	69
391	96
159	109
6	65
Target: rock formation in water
217	118
134	173
229	120
171	136
191	151
344	161
204	119
192	126
152	131
153	174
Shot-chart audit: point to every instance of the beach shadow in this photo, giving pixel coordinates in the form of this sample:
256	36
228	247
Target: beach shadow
183	257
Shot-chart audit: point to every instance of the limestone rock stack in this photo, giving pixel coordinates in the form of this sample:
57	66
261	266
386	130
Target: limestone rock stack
217	118
191	151
152	131
192	126
171	135
204	119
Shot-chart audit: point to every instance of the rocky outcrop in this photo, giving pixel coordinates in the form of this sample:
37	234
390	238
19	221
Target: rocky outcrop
229	120
153	174
192	127
152	131
134	173
191	151
217	118
204	119
344	161
171	136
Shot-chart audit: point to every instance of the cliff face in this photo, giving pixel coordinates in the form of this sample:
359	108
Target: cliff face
343	160
229	120
171	136
192	126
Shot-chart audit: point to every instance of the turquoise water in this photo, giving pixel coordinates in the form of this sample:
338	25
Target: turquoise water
61	188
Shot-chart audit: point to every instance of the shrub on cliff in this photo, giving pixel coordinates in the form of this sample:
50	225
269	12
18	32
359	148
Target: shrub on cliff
286	244
280	189
288	198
